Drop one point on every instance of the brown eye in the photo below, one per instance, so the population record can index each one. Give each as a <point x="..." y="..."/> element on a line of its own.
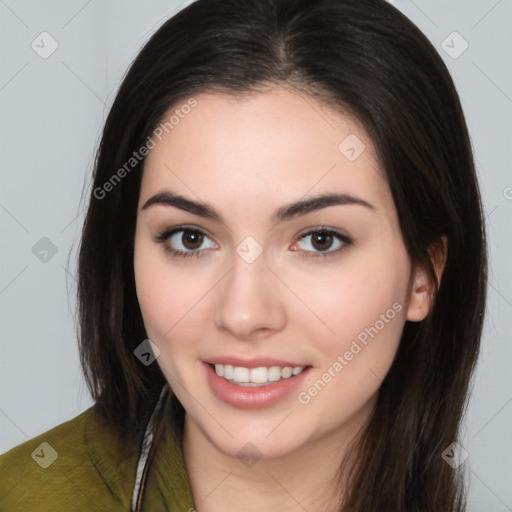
<point x="191" y="239"/>
<point x="324" y="239"/>
<point x="184" y="241"/>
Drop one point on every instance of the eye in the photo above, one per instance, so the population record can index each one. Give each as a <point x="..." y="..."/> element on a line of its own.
<point x="183" y="241"/>
<point x="187" y="241"/>
<point x="323" y="239"/>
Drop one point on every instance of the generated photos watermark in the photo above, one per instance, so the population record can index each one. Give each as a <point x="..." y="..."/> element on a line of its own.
<point x="142" y="152"/>
<point x="357" y="345"/>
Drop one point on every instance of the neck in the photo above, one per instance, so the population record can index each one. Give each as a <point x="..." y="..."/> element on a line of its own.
<point x="305" y="479"/>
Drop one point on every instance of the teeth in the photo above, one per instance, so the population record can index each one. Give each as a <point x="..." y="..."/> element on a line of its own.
<point x="274" y="373"/>
<point x="286" y="372"/>
<point x="261" y="375"/>
<point x="258" y="375"/>
<point x="228" y="371"/>
<point x="241" y="374"/>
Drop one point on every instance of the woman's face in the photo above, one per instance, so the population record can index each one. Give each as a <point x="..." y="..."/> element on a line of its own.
<point x="261" y="291"/>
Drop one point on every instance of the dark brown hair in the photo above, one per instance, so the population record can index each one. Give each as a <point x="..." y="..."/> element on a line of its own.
<point x="366" y="58"/>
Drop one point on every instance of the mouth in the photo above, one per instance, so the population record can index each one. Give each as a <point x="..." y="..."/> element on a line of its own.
<point x="254" y="387"/>
<point x="256" y="377"/>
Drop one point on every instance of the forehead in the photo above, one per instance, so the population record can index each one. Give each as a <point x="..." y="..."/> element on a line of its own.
<point x="278" y="142"/>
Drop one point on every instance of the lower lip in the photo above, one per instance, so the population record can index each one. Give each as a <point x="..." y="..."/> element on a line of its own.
<point x="245" y="397"/>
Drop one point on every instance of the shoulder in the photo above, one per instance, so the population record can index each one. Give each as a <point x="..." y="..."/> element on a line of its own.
<point x="78" y="465"/>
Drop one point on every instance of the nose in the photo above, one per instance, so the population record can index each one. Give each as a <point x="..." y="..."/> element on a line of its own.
<point x="250" y="303"/>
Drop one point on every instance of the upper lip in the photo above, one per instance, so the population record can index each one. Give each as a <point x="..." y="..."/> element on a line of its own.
<point x="255" y="362"/>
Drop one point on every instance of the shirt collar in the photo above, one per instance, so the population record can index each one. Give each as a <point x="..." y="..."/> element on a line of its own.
<point x="168" y="486"/>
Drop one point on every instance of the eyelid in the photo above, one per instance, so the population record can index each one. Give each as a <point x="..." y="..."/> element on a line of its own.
<point x="165" y="233"/>
<point x="317" y="228"/>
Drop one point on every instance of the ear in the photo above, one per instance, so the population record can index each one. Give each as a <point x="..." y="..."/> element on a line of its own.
<point x="421" y="287"/>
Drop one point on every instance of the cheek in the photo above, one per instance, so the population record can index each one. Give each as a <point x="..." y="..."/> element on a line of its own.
<point x="362" y="302"/>
<point x="169" y="296"/>
<point x="365" y="308"/>
<point x="158" y="300"/>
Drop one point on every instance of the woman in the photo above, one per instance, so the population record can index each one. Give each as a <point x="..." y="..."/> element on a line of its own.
<point x="282" y="273"/>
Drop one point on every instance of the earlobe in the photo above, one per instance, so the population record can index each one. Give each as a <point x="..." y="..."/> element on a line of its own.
<point x="422" y="288"/>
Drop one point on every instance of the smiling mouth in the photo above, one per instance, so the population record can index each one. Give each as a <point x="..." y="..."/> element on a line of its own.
<point x="256" y="377"/>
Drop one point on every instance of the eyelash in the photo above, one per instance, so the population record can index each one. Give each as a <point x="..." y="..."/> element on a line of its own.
<point x="169" y="232"/>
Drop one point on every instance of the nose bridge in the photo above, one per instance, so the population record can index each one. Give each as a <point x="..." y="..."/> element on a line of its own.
<point x="249" y="300"/>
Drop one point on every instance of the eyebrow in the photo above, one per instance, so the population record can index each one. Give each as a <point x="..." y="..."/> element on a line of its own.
<point x="287" y="212"/>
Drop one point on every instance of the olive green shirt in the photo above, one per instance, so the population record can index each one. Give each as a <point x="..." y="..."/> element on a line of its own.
<point x="81" y="465"/>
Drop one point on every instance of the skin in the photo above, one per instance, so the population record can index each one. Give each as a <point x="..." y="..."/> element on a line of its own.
<point x="247" y="157"/>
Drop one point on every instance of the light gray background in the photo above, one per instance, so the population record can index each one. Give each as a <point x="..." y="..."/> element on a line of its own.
<point x="52" y="112"/>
